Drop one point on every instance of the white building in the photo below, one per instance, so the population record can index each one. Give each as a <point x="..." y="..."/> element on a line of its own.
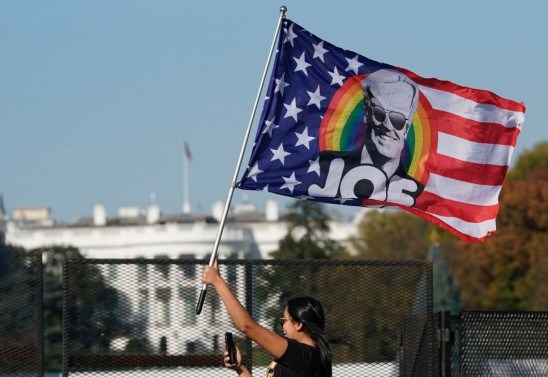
<point x="135" y="233"/>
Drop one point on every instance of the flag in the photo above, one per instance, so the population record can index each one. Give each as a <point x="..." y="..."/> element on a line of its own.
<point x="337" y="127"/>
<point x="187" y="154"/>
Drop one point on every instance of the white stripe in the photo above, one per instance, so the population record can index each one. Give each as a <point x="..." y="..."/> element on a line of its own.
<point x="446" y="101"/>
<point x="471" y="151"/>
<point x="461" y="191"/>
<point x="476" y="230"/>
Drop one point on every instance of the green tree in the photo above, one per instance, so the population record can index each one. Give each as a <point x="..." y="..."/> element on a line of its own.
<point x="395" y="234"/>
<point x="308" y="234"/>
<point x="307" y="238"/>
<point x="20" y="301"/>
<point x="391" y="234"/>
<point x="446" y="293"/>
<point x="95" y="309"/>
<point x="399" y="292"/>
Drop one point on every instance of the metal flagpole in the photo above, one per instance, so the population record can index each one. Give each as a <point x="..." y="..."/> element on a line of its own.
<point x="186" y="181"/>
<point x="201" y="299"/>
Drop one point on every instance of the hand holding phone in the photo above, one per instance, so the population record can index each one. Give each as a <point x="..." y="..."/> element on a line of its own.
<point x="231" y="348"/>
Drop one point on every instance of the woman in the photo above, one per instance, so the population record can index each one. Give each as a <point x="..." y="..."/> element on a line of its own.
<point x="303" y="351"/>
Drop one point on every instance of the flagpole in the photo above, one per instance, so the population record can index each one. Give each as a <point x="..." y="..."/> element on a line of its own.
<point x="186" y="182"/>
<point x="201" y="299"/>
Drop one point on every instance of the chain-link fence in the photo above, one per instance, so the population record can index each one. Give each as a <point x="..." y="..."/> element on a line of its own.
<point x="137" y="317"/>
<point x="498" y="344"/>
<point x="21" y="330"/>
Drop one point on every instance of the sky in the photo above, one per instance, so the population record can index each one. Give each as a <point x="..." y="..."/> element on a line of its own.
<point x="97" y="98"/>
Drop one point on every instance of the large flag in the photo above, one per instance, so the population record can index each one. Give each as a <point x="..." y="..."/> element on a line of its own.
<point x="337" y="127"/>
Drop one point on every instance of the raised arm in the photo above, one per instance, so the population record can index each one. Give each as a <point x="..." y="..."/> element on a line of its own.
<point x="270" y="341"/>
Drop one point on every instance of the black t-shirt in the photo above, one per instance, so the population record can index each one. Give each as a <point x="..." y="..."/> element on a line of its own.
<point x="298" y="360"/>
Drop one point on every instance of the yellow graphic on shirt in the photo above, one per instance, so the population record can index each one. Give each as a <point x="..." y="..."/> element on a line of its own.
<point x="270" y="369"/>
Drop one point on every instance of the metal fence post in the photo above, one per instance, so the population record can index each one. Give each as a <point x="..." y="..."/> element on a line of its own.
<point x="249" y="307"/>
<point x="66" y="319"/>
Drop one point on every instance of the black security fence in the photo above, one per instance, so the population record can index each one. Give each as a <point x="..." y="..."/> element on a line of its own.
<point x="487" y="343"/>
<point x="21" y="330"/>
<point x="138" y="316"/>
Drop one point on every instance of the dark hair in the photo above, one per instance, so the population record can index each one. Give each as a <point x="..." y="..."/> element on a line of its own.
<point x="309" y="312"/>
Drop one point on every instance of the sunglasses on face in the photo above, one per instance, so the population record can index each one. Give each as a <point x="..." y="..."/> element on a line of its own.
<point x="397" y="119"/>
<point x="282" y="321"/>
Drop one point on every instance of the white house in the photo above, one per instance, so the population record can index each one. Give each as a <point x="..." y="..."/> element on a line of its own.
<point x="160" y="296"/>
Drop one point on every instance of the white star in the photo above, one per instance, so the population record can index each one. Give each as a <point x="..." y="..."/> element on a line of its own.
<point x="270" y="126"/>
<point x="314" y="166"/>
<point x="303" y="138"/>
<point x="290" y="183"/>
<point x="315" y="97"/>
<point x="254" y="172"/>
<point x="319" y="51"/>
<point x="290" y="35"/>
<point x="265" y="189"/>
<point x="302" y="65"/>
<point x="292" y="110"/>
<point x="280" y="84"/>
<point x="336" y="78"/>
<point x="279" y="154"/>
<point x="353" y="64"/>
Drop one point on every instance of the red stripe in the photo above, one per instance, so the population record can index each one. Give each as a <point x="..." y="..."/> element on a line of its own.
<point x="443" y="207"/>
<point x="476" y="95"/>
<point x="436" y="205"/>
<point x="489" y="133"/>
<point x="447" y="227"/>
<point x="481" y="174"/>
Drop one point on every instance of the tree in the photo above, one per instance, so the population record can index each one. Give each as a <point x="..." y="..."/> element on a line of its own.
<point x="307" y="234"/>
<point x="507" y="271"/>
<point x="20" y="304"/>
<point x="397" y="295"/>
<point x="96" y="307"/>
<point x="530" y="161"/>
<point x="447" y="296"/>
<point x="391" y="234"/>
<point x="307" y="238"/>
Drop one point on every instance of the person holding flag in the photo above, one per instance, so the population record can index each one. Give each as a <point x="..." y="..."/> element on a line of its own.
<point x="302" y="351"/>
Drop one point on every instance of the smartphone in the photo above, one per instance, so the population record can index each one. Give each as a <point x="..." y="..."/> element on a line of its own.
<point x="230" y="348"/>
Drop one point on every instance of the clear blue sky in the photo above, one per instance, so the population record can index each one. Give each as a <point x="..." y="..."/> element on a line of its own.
<point x="98" y="97"/>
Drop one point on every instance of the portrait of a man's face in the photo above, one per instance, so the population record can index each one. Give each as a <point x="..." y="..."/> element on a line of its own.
<point x="390" y="101"/>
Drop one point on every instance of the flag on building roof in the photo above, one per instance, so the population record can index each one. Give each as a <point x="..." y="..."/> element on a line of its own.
<point x="337" y="127"/>
<point x="187" y="154"/>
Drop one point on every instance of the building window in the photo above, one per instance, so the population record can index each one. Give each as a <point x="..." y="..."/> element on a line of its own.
<point x="163" y="268"/>
<point x="163" y="345"/>
<point x="232" y="278"/>
<point x="214" y="306"/>
<point x="142" y="273"/>
<point x="113" y="271"/>
<point x="163" y="297"/>
<point x="191" y="347"/>
<point x="189" y="270"/>
<point x="215" y="343"/>
<point x="143" y="306"/>
<point x="188" y="296"/>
